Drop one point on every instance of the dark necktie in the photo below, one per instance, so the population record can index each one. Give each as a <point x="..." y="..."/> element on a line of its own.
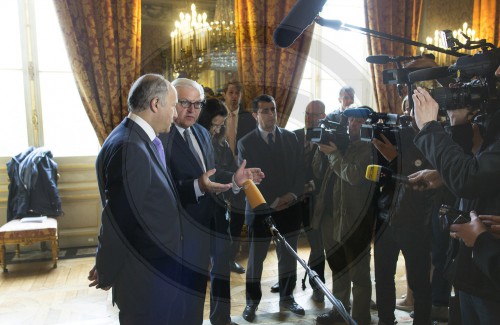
<point x="270" y="140"/>
<point x="187" y="137"/>
<point x="161" y="151"/>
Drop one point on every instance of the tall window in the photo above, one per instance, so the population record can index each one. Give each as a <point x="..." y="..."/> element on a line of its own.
<point x="336" y="59"/>
<point x="41" y="105"/>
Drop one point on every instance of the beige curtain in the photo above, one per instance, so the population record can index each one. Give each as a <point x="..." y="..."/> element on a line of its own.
<point x="103" y="39"/>
<point x="486" y="20"/>
<point x="262" y="66"/>
<point x="399" y="18"/>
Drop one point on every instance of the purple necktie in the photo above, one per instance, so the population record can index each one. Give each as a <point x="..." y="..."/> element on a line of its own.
<point x="161" y="152"/>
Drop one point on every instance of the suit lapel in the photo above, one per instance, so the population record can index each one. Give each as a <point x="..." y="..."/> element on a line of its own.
<point x="200" y="143"/>
<point x="153" y="152"/>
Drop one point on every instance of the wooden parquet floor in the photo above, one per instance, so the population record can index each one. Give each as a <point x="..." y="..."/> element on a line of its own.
<point x="33" y="293"/>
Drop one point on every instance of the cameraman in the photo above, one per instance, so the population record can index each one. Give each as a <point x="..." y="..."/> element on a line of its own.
<point x="343" y="212"/>
<point x="475" y="178"/>
<point x="403" y="224"/>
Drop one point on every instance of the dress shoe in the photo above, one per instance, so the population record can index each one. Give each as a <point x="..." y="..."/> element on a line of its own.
<point x="249" y="313"/>
<point x="329" y="318"/>
<point x="292" y="306"/>
<point x="276" y="287"/>
<point x="318" y="296"/>
<point x="236" y="267"/>
<point x="402" y="304"/>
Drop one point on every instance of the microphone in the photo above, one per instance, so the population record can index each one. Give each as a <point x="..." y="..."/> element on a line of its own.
<point x="376" y="173"/>
<point x="361" y="112"/>
<point x="383" y="59"/>
<point x="259" y="204"/>
<point x="298" y="19"/>
<point x="429" y="74"/>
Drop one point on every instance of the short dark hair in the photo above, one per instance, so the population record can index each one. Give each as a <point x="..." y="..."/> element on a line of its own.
<point x="237" y="84"/>
<point x="262" y="98"/>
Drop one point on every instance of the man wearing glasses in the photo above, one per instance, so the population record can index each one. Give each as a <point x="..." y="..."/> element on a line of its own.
<point x="276" y="151"/>
<point x="190" y="159"/>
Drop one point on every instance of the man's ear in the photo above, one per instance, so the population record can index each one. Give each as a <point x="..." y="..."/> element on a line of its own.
<point x="153" y="104"/>
<point x="254" y="116"/>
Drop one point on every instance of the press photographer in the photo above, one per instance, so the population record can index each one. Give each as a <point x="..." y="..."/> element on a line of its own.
<point x="343" y="213"/>
<point x="474" y="177"/>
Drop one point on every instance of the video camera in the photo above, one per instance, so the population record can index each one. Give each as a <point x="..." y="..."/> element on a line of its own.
<point x="329" y="131"/>
<point x="476" y="86"/>
<point x="384" y="123"/>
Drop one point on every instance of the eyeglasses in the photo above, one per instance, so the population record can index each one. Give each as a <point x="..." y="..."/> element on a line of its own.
<point x="267" y="111"/>
<point x="187" y="104"/>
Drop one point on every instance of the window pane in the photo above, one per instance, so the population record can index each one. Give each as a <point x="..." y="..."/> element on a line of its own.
<point x="66" y="126"/>
<point x="352" y="42"/>
<point x="330" y="94"/>
<point x="10" y="55"/>
<point x="52" y="55"/>
<point x="13" y="130"/>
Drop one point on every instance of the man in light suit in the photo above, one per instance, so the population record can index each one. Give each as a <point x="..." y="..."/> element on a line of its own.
<point x="140" y="252"/>
<point x="190" y="157"/>
<point x="276" y="151"/>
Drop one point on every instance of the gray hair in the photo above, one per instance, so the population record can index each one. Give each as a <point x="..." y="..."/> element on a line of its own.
<point x="348" y="90"/>
<point x="184" y="82"/>
<point x="145" y="89"/>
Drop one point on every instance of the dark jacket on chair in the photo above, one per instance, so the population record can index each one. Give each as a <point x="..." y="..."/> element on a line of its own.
<point x="33" y="184"/>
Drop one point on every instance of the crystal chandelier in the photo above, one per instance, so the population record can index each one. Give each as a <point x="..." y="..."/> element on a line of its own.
<point x="198" y="45"/>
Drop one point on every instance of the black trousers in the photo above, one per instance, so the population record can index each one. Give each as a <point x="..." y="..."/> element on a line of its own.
<point x="288" y="223"/>
<point x="236" y="225"/>
<point x="414" y="242"/>
<point x="317" y="256"/>
<point x="220" y="247"/>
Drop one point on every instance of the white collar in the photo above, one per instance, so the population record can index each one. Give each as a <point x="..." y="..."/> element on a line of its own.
<point x="144" y="125"/>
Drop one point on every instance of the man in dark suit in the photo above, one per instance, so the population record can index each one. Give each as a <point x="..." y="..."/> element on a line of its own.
<point x="190" y="156"/>
<point x="238" y="123"/>
<point x="276" y="151"/>
<point x="315" y="111"/>
<point x="140" y="252"/>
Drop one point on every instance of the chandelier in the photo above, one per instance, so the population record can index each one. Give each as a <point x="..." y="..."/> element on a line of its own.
<point x="444" y="59"/>
<point x="199" y="45"/>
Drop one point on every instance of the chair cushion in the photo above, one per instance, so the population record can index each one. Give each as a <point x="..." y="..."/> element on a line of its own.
<point x="15" y="229"/>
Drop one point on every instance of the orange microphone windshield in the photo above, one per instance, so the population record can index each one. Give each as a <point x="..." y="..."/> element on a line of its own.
<point x="254" y="196"/>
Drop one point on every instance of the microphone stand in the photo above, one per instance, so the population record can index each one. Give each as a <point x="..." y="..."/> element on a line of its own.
<point x="311" y="273"/>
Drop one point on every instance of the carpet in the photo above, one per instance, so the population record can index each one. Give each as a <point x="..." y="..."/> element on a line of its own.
<point x="44" y="254"/>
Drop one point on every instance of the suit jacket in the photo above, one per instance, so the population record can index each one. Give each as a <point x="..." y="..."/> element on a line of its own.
<point x="281" y="165"/>
<point x="140" y="252"/>
<point x="306" y="168"/>
<point x="185" y="170"/>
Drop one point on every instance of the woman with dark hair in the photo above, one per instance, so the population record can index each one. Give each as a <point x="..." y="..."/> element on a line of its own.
<point x="212" y="117"/>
